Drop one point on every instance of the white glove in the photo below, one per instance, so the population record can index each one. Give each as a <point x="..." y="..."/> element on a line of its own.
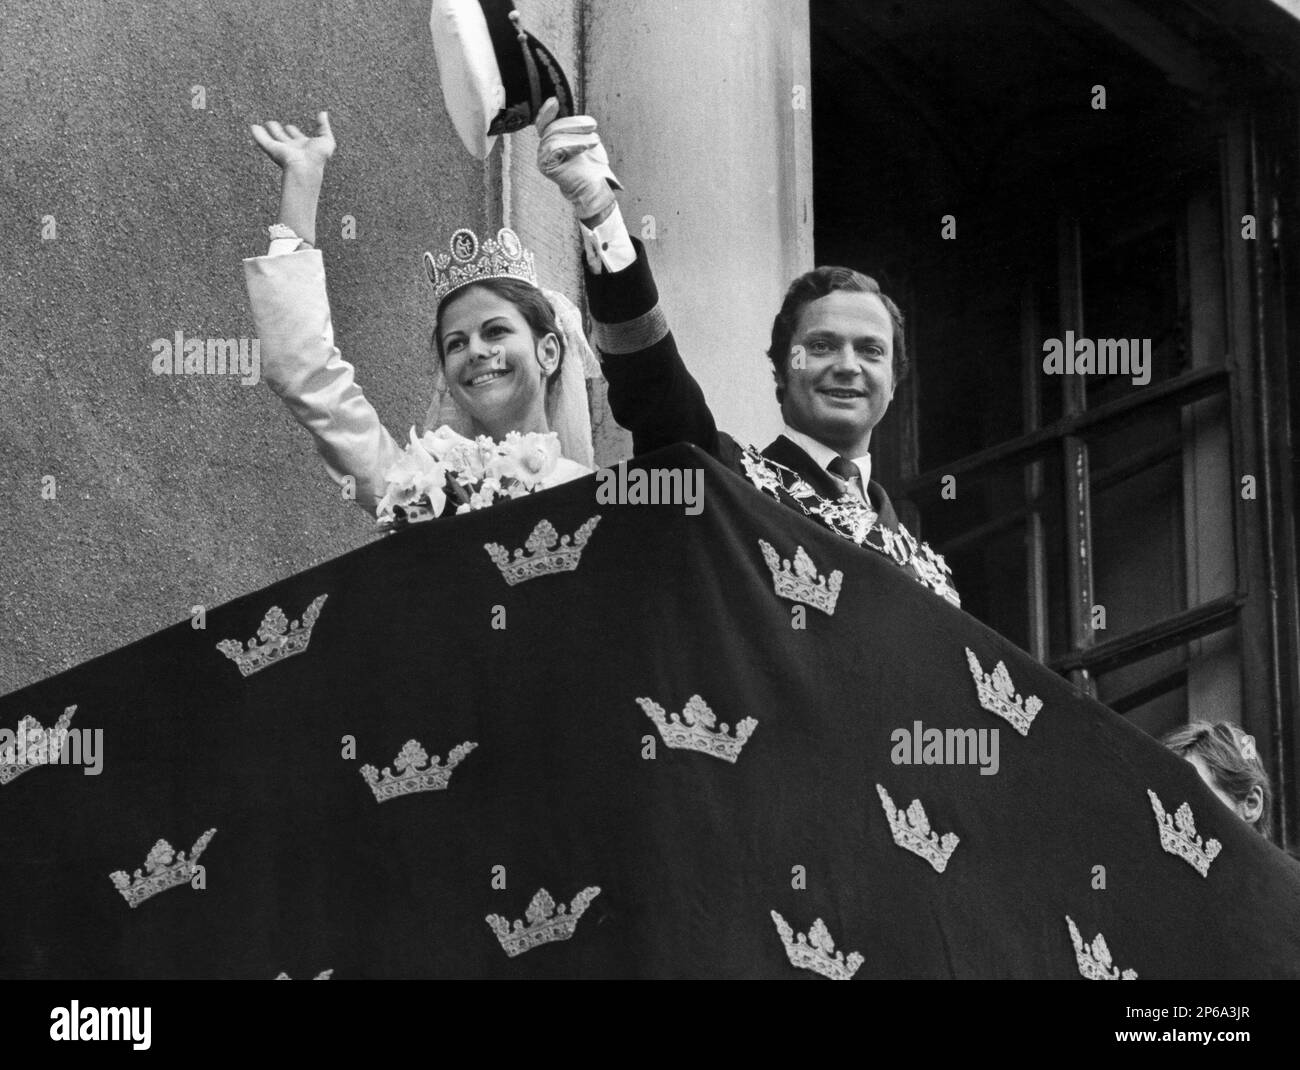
<point x="571" y="155"/>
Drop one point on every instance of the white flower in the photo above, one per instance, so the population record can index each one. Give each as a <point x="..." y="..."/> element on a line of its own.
<point x="415" y="475"/>
<point x="439" y="441"/>
<point x="466" y="459"/>
<point x="530" y="458"/>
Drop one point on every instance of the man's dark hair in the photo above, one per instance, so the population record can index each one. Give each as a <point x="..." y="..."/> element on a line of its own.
<point x="813" y="285"/>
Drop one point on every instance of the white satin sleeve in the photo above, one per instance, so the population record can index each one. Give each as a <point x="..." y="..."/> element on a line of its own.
<point x="302" y="365"/>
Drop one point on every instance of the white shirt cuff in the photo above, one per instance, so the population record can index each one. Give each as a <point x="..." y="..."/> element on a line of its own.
<point x="608" y="246"/>
<point x="283" y="246"/>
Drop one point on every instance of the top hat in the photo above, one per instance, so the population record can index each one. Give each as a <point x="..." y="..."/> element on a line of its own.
<point x="495" y="75"/>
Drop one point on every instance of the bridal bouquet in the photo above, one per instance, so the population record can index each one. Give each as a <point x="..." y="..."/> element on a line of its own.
<point x="442" y="467"/>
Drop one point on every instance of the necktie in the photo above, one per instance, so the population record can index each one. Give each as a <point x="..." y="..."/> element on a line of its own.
<point x="849" y="473"/>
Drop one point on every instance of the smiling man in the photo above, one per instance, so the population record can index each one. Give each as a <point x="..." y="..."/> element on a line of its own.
<point x="838" y="351"/>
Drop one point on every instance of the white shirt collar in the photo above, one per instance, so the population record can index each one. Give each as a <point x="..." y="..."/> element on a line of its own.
<point x="823" y="454"/>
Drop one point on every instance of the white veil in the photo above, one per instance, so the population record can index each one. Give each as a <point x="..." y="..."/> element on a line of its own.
<point x="567" y="411"/>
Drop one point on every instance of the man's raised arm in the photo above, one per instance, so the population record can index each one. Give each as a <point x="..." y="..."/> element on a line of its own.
<point x="651" y="392"/>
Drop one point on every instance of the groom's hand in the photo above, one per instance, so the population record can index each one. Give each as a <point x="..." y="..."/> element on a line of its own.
<point x="571" y="155"/>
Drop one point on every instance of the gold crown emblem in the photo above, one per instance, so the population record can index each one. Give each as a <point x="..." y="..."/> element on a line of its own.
<point x="1178" y="836"/>
<point x="544" y="553"/>
<point x="816" y="951"/>
<point x="804" y="584"/>
<point x="998" y="695"/>
<point x="697" y="729"/>
<point x="911" y="831"/>
<point x="279" y="639"/>
<point x="547" y="923"/>
<point x="38" y="746"/>
<point x="163" y="869"/>
<point x="1094" y="959"/>
<point x="468" y="261"/>
<point x="413" y="775"/>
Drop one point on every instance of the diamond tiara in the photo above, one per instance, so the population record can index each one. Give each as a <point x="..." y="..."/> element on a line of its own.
<point x="467" y="260"/>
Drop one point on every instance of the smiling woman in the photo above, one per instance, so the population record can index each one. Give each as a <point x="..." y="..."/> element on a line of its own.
<point x="501" y="344"/>
<point x="500" y="350"/>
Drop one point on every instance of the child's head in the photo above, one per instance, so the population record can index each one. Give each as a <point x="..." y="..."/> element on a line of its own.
<point x="1227" y="761"/>
<point x="500" y="348"/>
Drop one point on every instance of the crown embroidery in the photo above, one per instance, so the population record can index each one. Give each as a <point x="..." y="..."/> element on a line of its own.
<point x="415" y="772"/>
<point x="160" y="871"/>
<point x="911" y="831"/>
<point x="33" y="746"/>
<point x="816" y="951"/>
<point x="324" y="975"/>
<point x="998" y="695"/>
<point x="1094" y="959"/>
<point x="697" y="729"/>
<point x="547" y="922"/>
<point x="1178" y="836"/>
<point x="280" y="639"/>
<point x="805" y="584"/>
<point x="467" y="261"/>
<point x="544" y="554"/>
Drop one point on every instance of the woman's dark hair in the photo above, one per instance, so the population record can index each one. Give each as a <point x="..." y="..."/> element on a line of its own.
<point x="527" y="298"/>
<point x="814" y="285"/>
<point x="1219" y="746"/>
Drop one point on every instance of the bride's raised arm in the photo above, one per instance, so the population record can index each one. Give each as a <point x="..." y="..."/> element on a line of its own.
<point x="300" y="362"/>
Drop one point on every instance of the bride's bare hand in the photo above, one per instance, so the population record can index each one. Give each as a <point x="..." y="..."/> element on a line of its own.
<point x="291" y="149"/>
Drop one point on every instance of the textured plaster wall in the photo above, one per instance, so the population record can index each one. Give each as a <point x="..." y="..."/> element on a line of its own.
<point x="178" y="491"/>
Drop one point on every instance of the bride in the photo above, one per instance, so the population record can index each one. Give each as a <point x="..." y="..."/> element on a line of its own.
<point x="510" y="356"/>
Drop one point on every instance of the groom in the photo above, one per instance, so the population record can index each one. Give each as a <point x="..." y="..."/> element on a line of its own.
<point x="838" y="346"/>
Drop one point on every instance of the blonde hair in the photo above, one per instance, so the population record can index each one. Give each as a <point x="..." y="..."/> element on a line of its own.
<point x="1220" y="745"/>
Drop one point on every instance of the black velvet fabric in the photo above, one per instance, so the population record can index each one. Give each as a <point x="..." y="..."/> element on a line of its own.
<point x="307" y="872"/>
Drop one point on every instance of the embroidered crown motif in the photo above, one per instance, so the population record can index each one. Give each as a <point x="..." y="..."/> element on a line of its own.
<point x="467" y="261"/>
<point x="544" y="554"/>
<point x="804" y="584"/>
<point x="998" y="695"/>
<point x="1094" y="959"/>
<point x="414" y="771"/>
<point x="816" y="951"/>
<point x="163" y="869"/>
<point x="1178" y="836"/>
<point x="33" y="746"/>
<point x="547" y="922"/>
<point x="697" y="729"/>
<point x="324" y="975"/>
<point x="911" y="831"/>
<point x="280" y="639"/>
